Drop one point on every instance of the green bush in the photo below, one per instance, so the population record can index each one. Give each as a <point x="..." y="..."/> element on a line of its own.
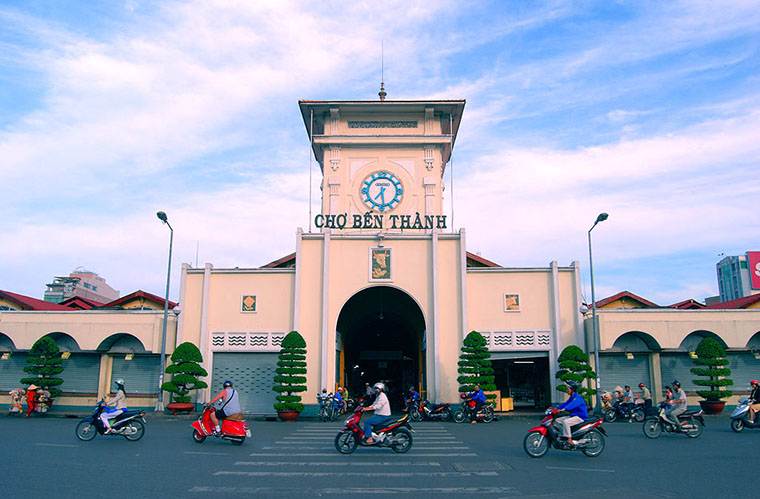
<point x="290" y="375"/>
<point x="185" y="370"/>
<point x="475" y="366"/>
<point x="574" y="366"/>
<point x="46" y="363"/>
<point x="713" y="357"/>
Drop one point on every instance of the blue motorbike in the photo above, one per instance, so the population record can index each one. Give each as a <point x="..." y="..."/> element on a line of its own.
<point x="129" y="424"/>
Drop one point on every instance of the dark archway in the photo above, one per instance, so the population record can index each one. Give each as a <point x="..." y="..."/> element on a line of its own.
<point x="382" y="331"/>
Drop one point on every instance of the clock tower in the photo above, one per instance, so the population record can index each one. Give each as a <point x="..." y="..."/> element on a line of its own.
<point x="382" y="162"/>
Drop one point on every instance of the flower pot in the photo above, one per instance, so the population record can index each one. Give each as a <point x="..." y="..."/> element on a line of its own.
<point x="180" y="407"/>
<point x="712" y="406"/>
<point x="288" y="416"/>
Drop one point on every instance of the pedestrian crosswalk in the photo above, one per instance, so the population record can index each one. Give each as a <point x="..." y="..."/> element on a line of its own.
<point x="304" y="462"/>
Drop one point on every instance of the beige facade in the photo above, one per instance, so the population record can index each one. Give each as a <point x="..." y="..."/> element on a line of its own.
<point x="382" y="282"/>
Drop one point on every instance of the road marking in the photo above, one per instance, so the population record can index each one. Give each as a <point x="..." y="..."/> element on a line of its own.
<point x="208" y="453"/>
<point x="578" y="469"/>
<point x="57" y="445"/>
<point x="333" y="463"/>
<point x="256" y="491"/>
<point x="327" y="447"/>
<point x="267" y="454"/>
<point x="323" y="474"/>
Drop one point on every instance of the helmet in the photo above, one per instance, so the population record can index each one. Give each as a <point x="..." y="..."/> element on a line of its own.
<point x="340" y="388"/>
<point x="324" y="390"/>
<point x="754" y="382"/>
<point x="676" y="383"/>
<point x="379" y="386"/>
<point x="119" y="381"/>
<point x="227" y="384"/>
<point x="627" y="387"/>
<point x="572" y="385"/>
<point x="641" y="385"/>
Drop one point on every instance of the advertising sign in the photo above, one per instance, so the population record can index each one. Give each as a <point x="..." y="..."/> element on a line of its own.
<point x="754" y="268"/>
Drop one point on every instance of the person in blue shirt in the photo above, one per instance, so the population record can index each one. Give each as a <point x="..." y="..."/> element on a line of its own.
<point x="479" y="396"/>
<point x="412" y="399"/>
<point x="338" y="402"/>
<point x="576" y="406"/>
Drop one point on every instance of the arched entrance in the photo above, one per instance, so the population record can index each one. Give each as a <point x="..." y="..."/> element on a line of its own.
<point x="381" y="329"/>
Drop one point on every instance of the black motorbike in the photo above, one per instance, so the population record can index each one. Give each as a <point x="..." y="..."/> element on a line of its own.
<point x="420" y="410"/>
<point x="129" y="424"/>
<point x="484" y="414"/>
<point x="691" y="423"/>
<point x="623" y="412"/>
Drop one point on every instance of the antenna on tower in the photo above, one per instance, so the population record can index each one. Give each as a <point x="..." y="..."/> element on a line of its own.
<point x="382" y="92"/>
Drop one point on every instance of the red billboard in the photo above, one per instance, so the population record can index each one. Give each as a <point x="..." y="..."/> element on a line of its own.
<point x="754" y="268"/>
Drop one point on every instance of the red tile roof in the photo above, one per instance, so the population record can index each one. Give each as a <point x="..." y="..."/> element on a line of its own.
<point x="29" y="303"/>
<point x="626" y="294"/>
<point x="138" y="294"/>
<point x="286" y="261"/>
<point x="79" y="303"/>
<point x="482" y="262"/>
<point x="738" y="303"/>
<point x="690" y="304"/>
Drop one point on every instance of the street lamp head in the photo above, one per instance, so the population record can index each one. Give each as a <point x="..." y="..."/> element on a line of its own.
<point x="162" y="216"/>
<point x="601" y="218"/>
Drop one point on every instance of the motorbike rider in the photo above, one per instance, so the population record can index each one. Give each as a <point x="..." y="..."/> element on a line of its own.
<point x="338" y="401"/>
<point x="114" y="405"/>
<point x="677" y="403"/>
<point x="231" y="405"/>
<point x="628" y="402"/>
<point x="647" y="398"/>
<point x="578" y="412"/>
<point x="382" y="409"/>
<point x="754" y="399"/>
<point x="412" y="399"/>
<point x="479" y="396"/>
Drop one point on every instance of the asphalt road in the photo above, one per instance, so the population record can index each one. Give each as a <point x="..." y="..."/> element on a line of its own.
<point x="299" y="460"/>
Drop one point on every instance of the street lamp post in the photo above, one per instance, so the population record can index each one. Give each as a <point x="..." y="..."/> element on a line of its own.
<point x="160" y="402"/>
<point x="601" y="218"/>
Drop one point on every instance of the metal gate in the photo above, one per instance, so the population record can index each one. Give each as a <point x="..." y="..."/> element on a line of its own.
<point x="678" y="366"/>
<point x="11" y="371"/>
<point x="252" y="375"/>
<point x="80" y="374"/>
<point x="617" y="370"/>
<point x="140" y="374"/>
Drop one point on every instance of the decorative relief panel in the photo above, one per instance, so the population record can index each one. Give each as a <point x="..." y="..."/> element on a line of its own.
<point x="382" y="124"/>
<point x="517" y="340"/>
<point x="429" y="158"/>
<point x="253" y="341"/>
<point x="334" y="158"/>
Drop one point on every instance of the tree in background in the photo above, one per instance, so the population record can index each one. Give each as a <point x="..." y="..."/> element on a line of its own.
<point x="185" y="370"/>
<point x="475" y="366"/>
<point x="574" y="366"/>
<point x="713" y="357"/>
<point x="290" y="377"/>
<point x="46" y="363"/>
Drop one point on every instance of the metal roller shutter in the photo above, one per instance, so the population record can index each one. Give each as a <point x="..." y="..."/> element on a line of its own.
<point x="80" y="373"/>
<point x="140" y="374"/>
<point x="617" y="370"/>
<point x="11" y="371"/>
<point x="678" y="367"/>
<point x="252" y="375"/>
<point x="744" y="368"/>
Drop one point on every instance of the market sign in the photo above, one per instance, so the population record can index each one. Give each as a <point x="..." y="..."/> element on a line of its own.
<point x="380" y="221"/>
<point x="754" y="268"/>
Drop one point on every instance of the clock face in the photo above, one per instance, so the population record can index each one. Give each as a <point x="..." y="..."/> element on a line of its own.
<point x="382" y="191"/>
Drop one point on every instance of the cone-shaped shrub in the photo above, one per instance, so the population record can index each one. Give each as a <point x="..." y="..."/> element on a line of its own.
<point x="475" y="366"/>
<point x="46" y="363"/>
<point x="290" y="377"/>
<point x="185" y="370"/>
<point x="713" y="357"/>
<point x="574" y="366"/>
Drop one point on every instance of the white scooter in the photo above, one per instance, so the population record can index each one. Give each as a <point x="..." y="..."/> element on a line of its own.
<point x="740" y="417"/>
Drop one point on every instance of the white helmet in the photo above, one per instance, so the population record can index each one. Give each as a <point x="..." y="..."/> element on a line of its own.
<point x="379" y="386"/>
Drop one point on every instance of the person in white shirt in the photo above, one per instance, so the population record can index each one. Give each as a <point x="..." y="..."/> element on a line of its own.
<point x="382" y="410"/>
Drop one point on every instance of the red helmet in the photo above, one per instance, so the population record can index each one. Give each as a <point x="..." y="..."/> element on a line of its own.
<point x="641" y="385"/>
<point x="754" y="382"/>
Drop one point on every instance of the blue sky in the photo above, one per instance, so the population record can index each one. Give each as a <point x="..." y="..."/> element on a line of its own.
<point x="649" y="111"/>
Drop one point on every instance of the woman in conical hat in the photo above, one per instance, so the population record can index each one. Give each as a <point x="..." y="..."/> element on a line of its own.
<point x="31" y="401"/>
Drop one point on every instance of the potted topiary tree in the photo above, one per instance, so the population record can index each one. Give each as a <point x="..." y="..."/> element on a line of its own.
<point x="185" y="370"/>
<point x="712" y="357"/>
<point x="475" y="366"/>
<point x="290" y="376"/>
<point x="574" y="366"/>
<point x="46" y="363"/>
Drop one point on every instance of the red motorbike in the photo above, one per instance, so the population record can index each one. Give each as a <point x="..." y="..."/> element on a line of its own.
<point x="587" y="436"/>
<point x="395" y="433"/>
<point x="233" y="430"/>
<point x="484" y="414"/>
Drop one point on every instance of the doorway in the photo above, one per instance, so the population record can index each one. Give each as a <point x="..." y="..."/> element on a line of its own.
<point x="381" y="331"/>
<point x="526" y="380"/>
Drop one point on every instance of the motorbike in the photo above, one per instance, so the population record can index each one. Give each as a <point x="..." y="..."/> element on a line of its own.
<point x="234" y="430"/>
<point x="740" y="417"/>
<point x="588" y="436"/>
<point x="691" y="423"/>
<point x="328" y="409"/>
<point x="420" y="410"/>
<point x="396" y="434"/>
<point x="129" y="424"/>
<point x="462" y="414"/>
<point x="621" y="411"/>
